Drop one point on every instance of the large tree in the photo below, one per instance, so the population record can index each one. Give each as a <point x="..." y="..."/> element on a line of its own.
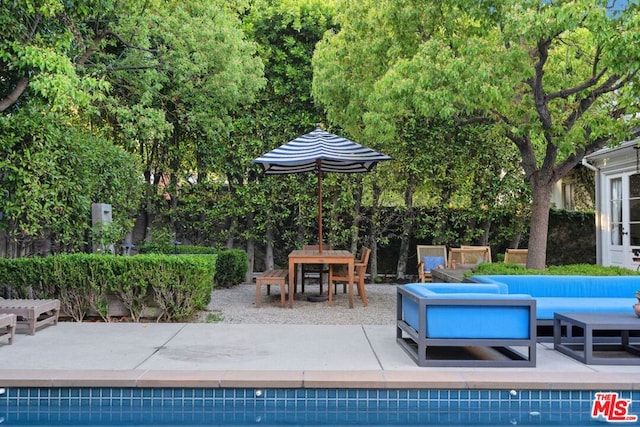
<point x="55" y="161"/>
<point x="42" y="48"/>
<point x="558" y="79"/>
<point x="159" y="78"/>
<point x="432" y="167"/>
<point x="180" y="71"/>
<point x="286" y="33"/>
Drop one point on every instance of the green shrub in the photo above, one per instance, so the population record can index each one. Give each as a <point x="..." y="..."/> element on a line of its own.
<point x="563" y="270"/>
<point x="167" y="248"/>
<point x="151" y="248"/>
<point x="231" y="267"/>
<point x="79" y="281"/>
<point x="21" y="277"/>
<point x="177" y="285"/>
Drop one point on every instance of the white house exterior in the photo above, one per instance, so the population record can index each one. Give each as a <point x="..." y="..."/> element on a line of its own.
<point x="617" y="204"/>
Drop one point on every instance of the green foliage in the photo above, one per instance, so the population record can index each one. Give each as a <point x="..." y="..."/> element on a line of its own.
<point x="437" y="164"/>
<point x="565" y="270"/>
<point x="231" y="267"/>
<point x="204" y="212"/>
<point x="286" y="34"/>
<point x="104" y="236"/>
<point x="52" y="169"/>
<point x="177" y="286"/>
<point x="37" y="47"/>
<point x="175" y="295"/>
<point x="175" y="96"/>
<point x="554" y="79"/>
<point x="591" y="270"/>
<point x="20" y="274"/>
<point x="214" y="318"/>
<point x="168" y="248"/>
<point x="161" y="79"/>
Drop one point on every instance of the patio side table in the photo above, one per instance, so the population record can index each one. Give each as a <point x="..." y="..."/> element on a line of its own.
<point x="616" y="349"/>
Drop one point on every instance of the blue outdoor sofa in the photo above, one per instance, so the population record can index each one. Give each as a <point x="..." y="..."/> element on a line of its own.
<point x="570" y="294"/>
<point x="466" y="324"/>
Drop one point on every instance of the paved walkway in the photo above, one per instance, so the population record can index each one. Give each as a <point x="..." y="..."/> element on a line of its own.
<point x="267" y="355"/>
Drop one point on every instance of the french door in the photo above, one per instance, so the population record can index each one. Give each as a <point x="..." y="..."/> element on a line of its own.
<point x="624" y="220"/>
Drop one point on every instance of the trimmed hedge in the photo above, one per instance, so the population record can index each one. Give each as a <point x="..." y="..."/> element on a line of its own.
<point x="178" y="286"/>
<point x="561" y="270"/>
<point x="231" y="267"/>
<point x="168" y="249"/>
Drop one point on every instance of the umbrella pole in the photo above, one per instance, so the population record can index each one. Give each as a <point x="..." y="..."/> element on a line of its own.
<point x="320" y="239"/>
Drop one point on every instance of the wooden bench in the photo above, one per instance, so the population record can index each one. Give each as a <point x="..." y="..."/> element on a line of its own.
<point x="272" y="277"/>
<point x="32" y="313"/>
<point x="7" y="327"/>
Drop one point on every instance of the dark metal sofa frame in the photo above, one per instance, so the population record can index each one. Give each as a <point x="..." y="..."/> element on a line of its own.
<point x="417" y="345"/>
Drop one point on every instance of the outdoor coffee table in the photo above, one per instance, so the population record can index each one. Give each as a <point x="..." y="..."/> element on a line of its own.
<point x="611" y="350"/>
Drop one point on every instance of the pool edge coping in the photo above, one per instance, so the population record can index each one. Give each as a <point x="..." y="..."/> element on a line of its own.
<point x="428" y="379"/>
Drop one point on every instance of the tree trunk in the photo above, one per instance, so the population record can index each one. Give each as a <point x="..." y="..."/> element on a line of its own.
<point x="407" y="228"/>
<point x="147" y="214"/>
<point x="486" y="225"/>
<point x="374" y="230"/>
<point x="231" y="230"/>
<point x="269" y="261"/>
<point x="4" y="244"/>
<point x="43" y="246"/>
<point x="539" y="229"/>
<point x="515" y="240"/>
<point x="357" y="213"/>
<point x="251" y="249"/>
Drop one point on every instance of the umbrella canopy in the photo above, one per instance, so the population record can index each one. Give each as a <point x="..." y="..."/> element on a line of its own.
<point x="320" y="151"/>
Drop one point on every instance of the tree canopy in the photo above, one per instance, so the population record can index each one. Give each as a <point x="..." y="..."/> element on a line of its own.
<point x="553" y="78"/>
<point x="158" y="79"/>
<point x="483" y="106"/>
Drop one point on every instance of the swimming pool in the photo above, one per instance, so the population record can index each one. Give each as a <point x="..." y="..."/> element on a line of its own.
<point x="244" y="406"/>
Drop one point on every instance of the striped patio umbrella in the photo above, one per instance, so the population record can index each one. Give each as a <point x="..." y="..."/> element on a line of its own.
<point x="320" y="151"/>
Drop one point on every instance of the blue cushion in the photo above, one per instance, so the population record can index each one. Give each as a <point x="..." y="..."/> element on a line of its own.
<point x="432" y="262"/>
<point x="546" y="306"/>
<point x="456" y="288"/>
<point x="478" y="322"/>
<point x="567" y="286"/>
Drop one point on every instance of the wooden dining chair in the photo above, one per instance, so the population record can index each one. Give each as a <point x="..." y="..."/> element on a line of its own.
<point x="320" y="269"/>
<point x="339" y="274"/>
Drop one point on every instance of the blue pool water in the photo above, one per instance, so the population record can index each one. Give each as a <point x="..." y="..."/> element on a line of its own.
<point x="313" y="407"/>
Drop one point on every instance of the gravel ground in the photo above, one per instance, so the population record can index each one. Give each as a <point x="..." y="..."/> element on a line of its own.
<point x="237" y="305"/>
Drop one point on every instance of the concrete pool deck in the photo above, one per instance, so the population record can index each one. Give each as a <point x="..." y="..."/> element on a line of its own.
<point x="94" y="354"/>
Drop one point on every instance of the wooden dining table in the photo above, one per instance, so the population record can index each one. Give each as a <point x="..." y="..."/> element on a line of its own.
<point x="314" y="256"/>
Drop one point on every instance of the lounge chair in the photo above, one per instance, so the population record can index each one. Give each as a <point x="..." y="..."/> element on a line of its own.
<point x="468" y="256"/>
<point x="485" y="250"/>
<point x="430" y="257"/>
<point x="7" y="327"/>
<point x="32" y="313"/>
<point x="516" y="256"/>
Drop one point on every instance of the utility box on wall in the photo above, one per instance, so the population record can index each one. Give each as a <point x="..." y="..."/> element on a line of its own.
<point x="101" y="217"/>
